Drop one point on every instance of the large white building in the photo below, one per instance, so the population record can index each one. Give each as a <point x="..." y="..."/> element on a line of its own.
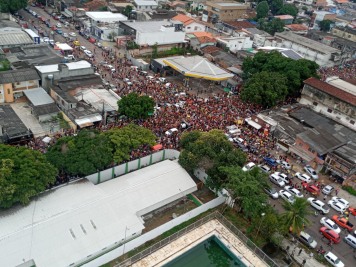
<point x="322" y="54"/>
<point x="72" y="224"/>
<point x="148" y="33"/>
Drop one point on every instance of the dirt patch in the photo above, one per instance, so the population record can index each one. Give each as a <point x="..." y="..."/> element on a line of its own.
<point x="204" y="194"/>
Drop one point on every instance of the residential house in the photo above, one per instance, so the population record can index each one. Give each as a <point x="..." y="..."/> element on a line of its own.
<point x="297" y="28"/>
<point x="322" y="54"/>
<point x="189" y="23"/>
<point x="287" y="19"/>
<point x="198" y="4"/>
<point x="334" y="98"/>
<point x="223" y="11"/>
<point x="236" y="43"/>
<point x="145" y="5"/>
<point x="259" y="38"/>
<point x="233" y="26"/>
<point x="14" y="82"/>
<point x="178" y="5"/>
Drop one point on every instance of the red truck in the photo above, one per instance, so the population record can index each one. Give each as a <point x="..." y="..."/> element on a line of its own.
<point x="343" y="222"/>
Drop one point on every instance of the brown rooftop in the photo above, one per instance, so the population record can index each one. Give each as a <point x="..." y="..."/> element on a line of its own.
<point x="331" y="90"/>
<point x="297" y="27"/>
<point x="238" y="25"/>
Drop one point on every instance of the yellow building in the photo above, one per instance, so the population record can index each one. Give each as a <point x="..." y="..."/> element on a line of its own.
<point x="216" y="11"/>
<point x="14" y="82"/>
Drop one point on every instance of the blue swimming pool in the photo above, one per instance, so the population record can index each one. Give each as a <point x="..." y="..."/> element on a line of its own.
<point x="210" y="253"/>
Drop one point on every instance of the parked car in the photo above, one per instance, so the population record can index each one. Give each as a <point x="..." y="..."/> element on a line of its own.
<point x="337" y="206"/>
<point x="328" y="223"/>
<point x="59" y="31"/>
<point x="72" y="34"/>
<point x="65" y="35"/>
<point x="307" y="239"/>
<point x="286" y="196"/>
<point x="284" y="164"/>
<point x="295" y="192"/>
<point x="248" y="166"/>
<point x="330" y="235"/>
<point x="333" y="260"/>
<point x="342" y="201"/>
<point x="59" y="25"/>
<point x="171" y="131"/>
<point x="270" y="161"/>
<point x="343" y="222"/>
<point x="303" y="177"/>
<point x="88" y="53"/>
<point x="327" y="189"/>
<point x="309" y="170"/>
<point x="318" y="205"/>
<point x="351" y="240"/>
<point x="276" y="180"/>
<point x="272" y="192"/>
<point x="264" y="168"/>
<point x="242" y="147"/>
<point x="313" y="189"/>
<point x="352" y="211"/>
<point x="283" y="176"/>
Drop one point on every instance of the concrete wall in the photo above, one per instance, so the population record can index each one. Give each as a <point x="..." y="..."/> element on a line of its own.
<point x="194" y="27"/>
<point x="168" y="36"/>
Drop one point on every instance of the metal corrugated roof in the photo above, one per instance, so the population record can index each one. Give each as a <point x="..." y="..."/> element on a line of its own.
<point x="13" y="76"/>
<point x="38" y="97"/>
<point x="13" y="36"/>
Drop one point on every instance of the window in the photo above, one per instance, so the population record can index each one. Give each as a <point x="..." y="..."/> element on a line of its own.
<point x="352" y="122"/>
<point x="330" y="110"/>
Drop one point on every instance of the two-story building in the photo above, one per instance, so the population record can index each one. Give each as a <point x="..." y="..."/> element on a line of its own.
<point x="287" y="19"/>
<point x="345" y="32"/>
<point x="236" y="43"/>
<point x="145" y="5"/>
<point x="215" y="11"/>
<point x="14" y="82"/>
<point x="322" y="54"/>
<point x="334" y="98"/>
<point x="189" y="23"/>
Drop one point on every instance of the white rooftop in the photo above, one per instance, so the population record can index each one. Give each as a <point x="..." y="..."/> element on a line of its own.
<point x="148" y="26"/>
<point x="70" y="223"/>
<point x="145" y="3"/>
<point x="106" y="16"/>
<point x="82" y="64"/>
<point x="38" y="96"/>
<point x="343" y="85"/>
<point x="95" y="97"/>
<point x="63" y="46"/>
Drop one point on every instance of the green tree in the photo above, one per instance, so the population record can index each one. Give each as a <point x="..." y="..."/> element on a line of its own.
<point x="295" y="216"/>
<point x="246" y="188"/>
<point x="23" y="174"/>
<point x="288" y="9"/>
<point x="12" y="6"/>
<point x="135" y="106"/>
<point x="273" y="26"/>
<point x="83" y="154"/>
<point x="267" y="225"/>
<point x="275" y="5"/>
<point x="265" y="88"/>
<point x="124" y="140"/>
<point x="325" y="25"/>
<point x="209" y="151"/>
<point x="262" y="9"/>
<point x="127" y="11"/>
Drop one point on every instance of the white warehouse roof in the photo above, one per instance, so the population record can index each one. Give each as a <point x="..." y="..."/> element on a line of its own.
<point x="82" y="64"/>
<point x="106" y="16"/>
<point x="72" y="222"/>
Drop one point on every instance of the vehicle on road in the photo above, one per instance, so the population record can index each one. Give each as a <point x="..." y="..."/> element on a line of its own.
<point x="264" y="168"/>
<point x="59" y="31"/>
<point x="99" y="45"/>
<point x="83" y="48"/>
<point x="88" y="53"/>
<point x="327" y="189"/>
<point x="73" y="34"/>
<point x="307" y="239"/>
<point x="76" y="43"/>
<point x="295" y="192"/>
<point x="303" y="177"/>
<point x="342" y="201"/>
<point x="318" y="205"/>
<point x="276" y="180"/>
<point x="272" y="192"/>
<point x="313" y="189"/>
<point x="284" y="164"/>
<point x="310" y="171"/>
<point x="171" y="131"/>
<point x="337" y="206"/>
<point x="328" y="223"/>
<point x="330" y="235"/>
<point x="352" y="211"/>
<point x="333" y="260"/>
<point x="59" y="25"/>
<point x="65" y="35"/>
<point x="270" y="161"/>
<point x="286" y="196"/>
<point x="248" y="166"/>
<point x="343" y="222"/>
<point x="351" y="240"/>
<point x="284" y="177"/>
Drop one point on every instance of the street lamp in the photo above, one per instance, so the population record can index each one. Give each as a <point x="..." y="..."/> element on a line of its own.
<point x="259" y="227"/>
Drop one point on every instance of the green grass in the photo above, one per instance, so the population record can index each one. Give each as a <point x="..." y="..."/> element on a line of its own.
<point x="349" y="189"/>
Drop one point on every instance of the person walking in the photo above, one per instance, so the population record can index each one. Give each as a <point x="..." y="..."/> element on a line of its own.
<point x="300" y="252"/>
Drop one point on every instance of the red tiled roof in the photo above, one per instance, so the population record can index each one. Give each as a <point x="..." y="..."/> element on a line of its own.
<point x="184" y="19"/>
<point x="206" y="39"/>
<point x="200" y="34"/>
<point x="297" y="27"/>
<point x="331" y="90"/>
<point x="282" y="17"/>
<point x="240" y="24"/>
<point x="210" y="49"/>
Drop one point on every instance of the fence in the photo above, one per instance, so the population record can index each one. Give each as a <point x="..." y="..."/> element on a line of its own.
<point x="133" y="165"/>
<point x="175" y="236"/>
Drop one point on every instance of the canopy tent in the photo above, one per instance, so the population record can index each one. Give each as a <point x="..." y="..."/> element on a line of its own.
<point x="157" y="147"/>
<point x="253" y="124"/>
<point x="63" y="47"/>
<point x="198" y="67"/>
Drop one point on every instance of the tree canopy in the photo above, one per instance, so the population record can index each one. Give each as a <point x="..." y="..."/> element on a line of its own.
<point x="23" y="174"/>
<point x="83" y="154"/>
<point x="135" y="106"/>
<point x="262" y="9"/>
<point x="265" y="88"/>
<point x="124" y="140"/>
<point x="272" y="26"/>
<point x="288" y="9"/>
<point x="325" y="25"/>
<point x="12" y="5"/>
<point x="296" y="71"/>
<point x="275" y="5"/>
<point x="209" y="151"/>
<point x="127" y="11"/>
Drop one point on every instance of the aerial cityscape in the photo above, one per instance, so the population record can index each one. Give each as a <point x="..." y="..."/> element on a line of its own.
<point x="188" y="133"/>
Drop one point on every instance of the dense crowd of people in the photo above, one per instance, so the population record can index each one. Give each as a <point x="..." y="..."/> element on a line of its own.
<point x="346" y="71"/>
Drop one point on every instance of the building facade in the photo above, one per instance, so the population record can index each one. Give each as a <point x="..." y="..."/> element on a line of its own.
<point x="215" y="11"/>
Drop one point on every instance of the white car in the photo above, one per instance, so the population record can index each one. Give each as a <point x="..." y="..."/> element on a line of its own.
<point x="309" y="170"/>
<point x="99" y="45"/>
<point x="46" y="40"/>
<point x="327" y="189"/>
<point x="337" y="206"/>
<point x="328" y="223"/>
<point x="286" y="196"/>
<point x="272" y="192"/>
<point x="126" y="80"/>
<point x="171" y="131"/>
<point x="58" y="25"/>
<point x="83" y="48"/>
<point x="333" y="259"/>
<point x="295" y="192"/>
<point x="65" y="35"/>
<point x="307" y="239"/>
<point x="303" y="177"/>
<point x="73" y="34"/>
<point x="283" y="176"/>
<point x="264" y="168"/>
<point x="150" y="77"/>
<point x="284" y="164"/>
<point x="88" y="53"/>
<point x="342" y="201"/>
<point x="276" y="180"/>
<point x="162" y="80"/>
<point x="318" y="205"/>
<point x="248" y="166"/>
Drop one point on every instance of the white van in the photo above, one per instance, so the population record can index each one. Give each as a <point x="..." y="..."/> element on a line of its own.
<point x="351" y="240"/>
